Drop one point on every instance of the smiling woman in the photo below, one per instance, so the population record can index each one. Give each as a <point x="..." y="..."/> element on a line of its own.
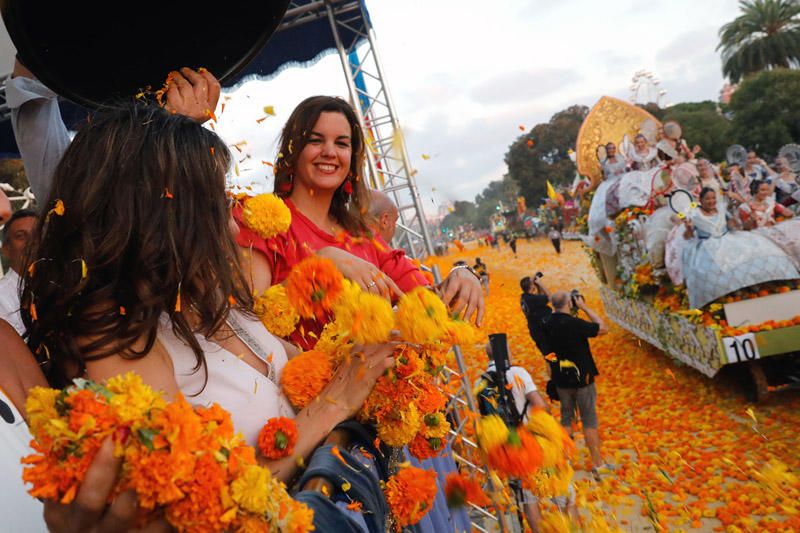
<point x="318" y="172"/>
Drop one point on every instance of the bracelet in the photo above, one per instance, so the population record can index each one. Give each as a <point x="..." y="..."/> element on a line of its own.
<point x="469" y="268"/>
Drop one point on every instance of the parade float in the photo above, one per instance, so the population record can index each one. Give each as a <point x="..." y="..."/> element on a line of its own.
<point x="632" y="225"/>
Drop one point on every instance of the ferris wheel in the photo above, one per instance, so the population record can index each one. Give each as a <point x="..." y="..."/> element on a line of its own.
<point x="645" y="89"/>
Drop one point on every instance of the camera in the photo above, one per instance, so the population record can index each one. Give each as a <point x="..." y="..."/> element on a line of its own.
<point x="573" y="297"/>
<point x="537" y="275"/>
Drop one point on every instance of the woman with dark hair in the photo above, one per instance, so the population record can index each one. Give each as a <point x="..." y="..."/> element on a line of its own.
<point x="761" y="215"/>
<point x="717" y="262"/>
<point x="319" y="174"/>
<point x="135" y="268"/>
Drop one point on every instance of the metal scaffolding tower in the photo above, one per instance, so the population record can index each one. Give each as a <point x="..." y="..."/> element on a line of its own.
<point x="388" y="164"/>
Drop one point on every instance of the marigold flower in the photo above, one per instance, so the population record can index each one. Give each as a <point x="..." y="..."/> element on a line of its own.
<point x="275" y="311"/>
<point x="434" y="425"/>
<point x="313" y="287"/>
<point x="304" y="377"/>
<point x="277" y="438"/>
<point x="251" y="489"/>
<point x="423" y="448"/>
<point x="492" y="432"/>
<point x="422" y="317"/>
<point x="398" y="430"/>
<point x="460" y="491"/>
<point x="267" y="215"/>
<point x="410" y="493"/>
<point x="519" y="457"/>
<point x="367" y="318"/>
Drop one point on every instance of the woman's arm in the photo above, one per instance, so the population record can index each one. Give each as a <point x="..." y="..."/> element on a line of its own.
<point x="256" y="269"/>
<point x="337" y="402"/>
<point x="18" y="369"/>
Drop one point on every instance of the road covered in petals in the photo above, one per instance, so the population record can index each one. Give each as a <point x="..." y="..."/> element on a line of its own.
<point x="692" y="453"/>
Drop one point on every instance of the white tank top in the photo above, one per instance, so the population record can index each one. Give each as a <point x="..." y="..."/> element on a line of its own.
<point x="248" y="395"/>
<point x="19" y="510"/>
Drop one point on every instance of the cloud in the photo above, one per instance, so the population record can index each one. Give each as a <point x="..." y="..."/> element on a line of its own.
<point x="522" y="86"/>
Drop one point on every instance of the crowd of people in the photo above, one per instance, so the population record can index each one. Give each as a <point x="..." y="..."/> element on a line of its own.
<point x="138" y="260"/>
<point x="737" y="227"/>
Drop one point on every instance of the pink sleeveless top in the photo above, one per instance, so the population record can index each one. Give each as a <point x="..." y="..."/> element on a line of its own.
<point x="249" y="396"/>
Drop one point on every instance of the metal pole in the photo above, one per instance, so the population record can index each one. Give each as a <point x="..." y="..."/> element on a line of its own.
<point x="462" y="368"/>
<point x="403" y="153"/>
<point x="350" y="85"/>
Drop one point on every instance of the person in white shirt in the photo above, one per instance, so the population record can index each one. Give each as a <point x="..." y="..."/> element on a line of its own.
<point x="16" y="234"/>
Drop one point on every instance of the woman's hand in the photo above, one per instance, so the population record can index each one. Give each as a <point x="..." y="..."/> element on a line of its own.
<point x="461" y="292"/>
<point x="355" y="378"/>
<point x="90" y="510"/>
<point x="193" y="94"/>
<point x="365" y="274"/>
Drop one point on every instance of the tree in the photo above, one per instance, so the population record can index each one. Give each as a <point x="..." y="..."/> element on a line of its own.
<point x="541" y="154"/>
<point x="766" y="35"/>
<point x="702" y="124"/>
<point x="766" y="111"/>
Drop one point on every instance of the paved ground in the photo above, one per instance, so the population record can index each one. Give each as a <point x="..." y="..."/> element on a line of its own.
<point x="690" y="456"/>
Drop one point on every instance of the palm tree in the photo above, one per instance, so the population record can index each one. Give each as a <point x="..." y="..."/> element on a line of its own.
<point x="766" y="35"/>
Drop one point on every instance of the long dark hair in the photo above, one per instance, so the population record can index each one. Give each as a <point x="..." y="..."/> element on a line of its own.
<point x="136" y="227"/>
<point x="349" y="210"/>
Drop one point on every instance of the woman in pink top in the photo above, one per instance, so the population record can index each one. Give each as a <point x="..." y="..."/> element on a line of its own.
<point x="319" y="174"/>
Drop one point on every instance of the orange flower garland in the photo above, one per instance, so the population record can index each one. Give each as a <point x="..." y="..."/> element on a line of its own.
<point x="410" y="493"/>
<point x="313" y="287"/>
<point x="185" y="464"/>
<point x="277" y="438"/>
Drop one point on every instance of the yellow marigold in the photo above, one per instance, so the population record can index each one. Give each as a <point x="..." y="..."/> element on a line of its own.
<point x="410" y="493"/>
<point x="540" y="422"/>
<point x="464" y="333"/>
<point x="551" y="452"/>
<point x="267" y="215"/>
<point x="275" y="311"/>
<point x="132" y="398"/>
<point x="333" y="342"/>
<point x="422" y="317"/>
<point x="41" y="407"/>
<point x="434" y="425"/>
<point x="368" y="318"/>
<point x="401" y="428"/>
<point x="299" y="518"/>
<point x="304" y="377"/>
<point x="492" y="432"/>
<point x="251" y="489"/>
<point x="555" y="522"/>
<point x="313" y="287"/>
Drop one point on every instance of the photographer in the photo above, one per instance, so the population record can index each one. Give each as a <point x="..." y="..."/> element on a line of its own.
<point x="569" y="337"/>
<point x="494" y="397"/>
<point x="536" y="308"/>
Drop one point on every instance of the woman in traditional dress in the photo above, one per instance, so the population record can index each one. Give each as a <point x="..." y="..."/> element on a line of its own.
<point x="759" y="214"/>
<point x="642" y="156"/>
<point x="786" y="183"/>
<point x="718" y="261"/>
<point x="319" y="175"/>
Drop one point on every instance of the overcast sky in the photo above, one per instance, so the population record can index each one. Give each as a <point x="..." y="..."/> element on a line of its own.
<point x="464" y="77"/>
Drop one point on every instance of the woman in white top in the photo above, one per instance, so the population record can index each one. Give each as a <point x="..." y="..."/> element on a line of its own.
<point x="136" y="269"/>
<point x="642" y="155"/>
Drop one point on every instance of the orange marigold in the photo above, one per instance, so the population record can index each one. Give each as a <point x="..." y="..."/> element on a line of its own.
<point x="460" y="491"/>
<point x="304" y="377"/>
<point x="423" y="448"/>
<point x="277" y="438"/>
<point x="313" y="287"/>
<point x="519" y="457"/>
<point x="410" y="493"/>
